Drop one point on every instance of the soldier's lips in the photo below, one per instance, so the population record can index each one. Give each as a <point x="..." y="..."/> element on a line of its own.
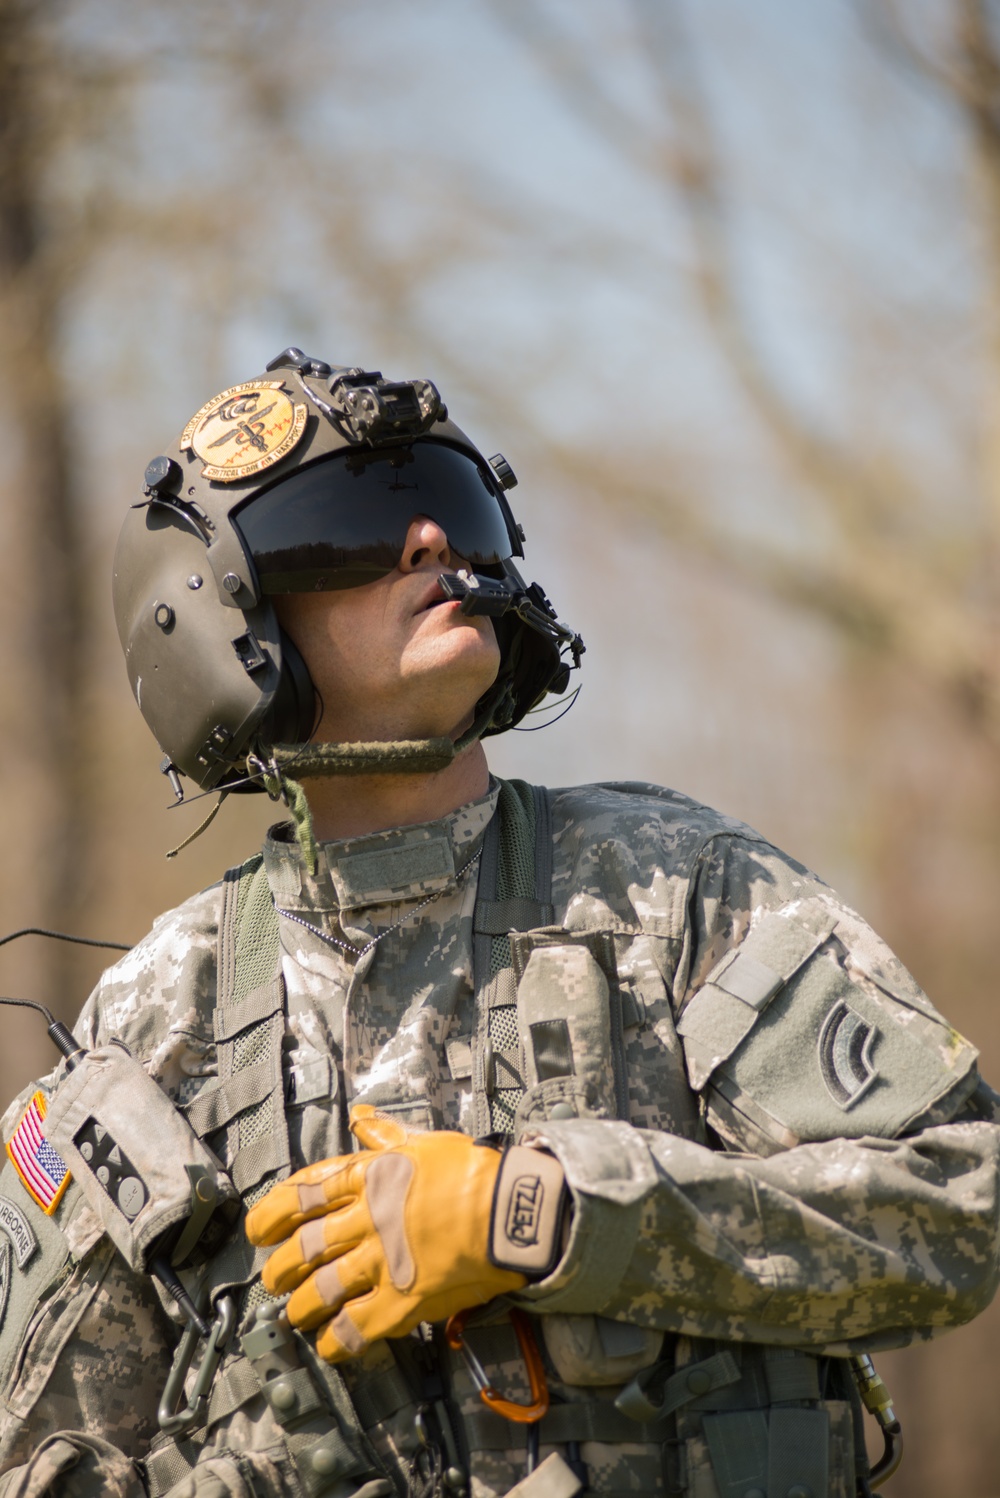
<point x="437" y="600"/>
<point x="441" y="616"/>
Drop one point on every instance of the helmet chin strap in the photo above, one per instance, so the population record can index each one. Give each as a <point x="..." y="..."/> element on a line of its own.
<point x="389" y="757"/>
<point x="392" y="757"/>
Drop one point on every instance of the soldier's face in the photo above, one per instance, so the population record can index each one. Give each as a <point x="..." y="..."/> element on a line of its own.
<point x="394" y="659"/>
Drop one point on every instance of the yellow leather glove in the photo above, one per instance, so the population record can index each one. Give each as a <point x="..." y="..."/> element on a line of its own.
<point x="376" y="1242"/>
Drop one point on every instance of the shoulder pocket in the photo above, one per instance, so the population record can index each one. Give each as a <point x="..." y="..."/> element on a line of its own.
<point x="792" y="1045"/>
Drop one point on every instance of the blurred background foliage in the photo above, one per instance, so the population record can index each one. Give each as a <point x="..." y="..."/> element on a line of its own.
<point x="722" y="281"/>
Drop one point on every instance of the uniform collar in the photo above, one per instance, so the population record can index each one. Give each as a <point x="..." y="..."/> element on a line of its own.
<point x="401" y="863"/>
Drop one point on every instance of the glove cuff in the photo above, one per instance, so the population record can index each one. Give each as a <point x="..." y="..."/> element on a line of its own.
<point x="530" y="1200"/>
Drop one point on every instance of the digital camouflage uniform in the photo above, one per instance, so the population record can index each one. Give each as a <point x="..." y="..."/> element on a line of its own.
<point x="772" y="1141"/>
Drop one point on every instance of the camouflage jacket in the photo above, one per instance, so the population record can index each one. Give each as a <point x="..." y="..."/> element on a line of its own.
<point x="784" y="1145"/>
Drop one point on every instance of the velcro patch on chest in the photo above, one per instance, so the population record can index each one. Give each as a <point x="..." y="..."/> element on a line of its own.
<point x="405" y="868"/>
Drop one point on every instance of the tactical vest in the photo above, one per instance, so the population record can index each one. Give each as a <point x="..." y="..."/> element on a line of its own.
<point x="632" y="1411"/>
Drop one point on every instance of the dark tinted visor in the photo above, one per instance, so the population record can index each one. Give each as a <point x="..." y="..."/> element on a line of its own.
<point x="344" y="521"/>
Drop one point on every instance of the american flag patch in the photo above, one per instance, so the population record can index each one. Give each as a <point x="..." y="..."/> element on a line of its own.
<point x="44" y="1173"/>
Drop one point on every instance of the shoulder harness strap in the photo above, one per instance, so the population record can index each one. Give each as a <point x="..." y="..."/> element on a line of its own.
<point x="515" y="894"/>
<point x="249" y="1028"/>
<point x="245" y="1110"/>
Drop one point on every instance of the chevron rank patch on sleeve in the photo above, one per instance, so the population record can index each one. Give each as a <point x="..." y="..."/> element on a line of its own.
<point x="43" y="1172"/>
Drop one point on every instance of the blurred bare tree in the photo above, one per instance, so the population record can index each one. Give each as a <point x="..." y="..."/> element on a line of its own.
<point x="72" y="200"/>
<point x="879" y="574"/>
<point x="43" y="705"/>
<point x="174" y="175"/>
<point x="900" y="561"/>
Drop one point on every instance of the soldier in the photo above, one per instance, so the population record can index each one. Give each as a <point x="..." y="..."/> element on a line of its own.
<point x="586" y="1141"/>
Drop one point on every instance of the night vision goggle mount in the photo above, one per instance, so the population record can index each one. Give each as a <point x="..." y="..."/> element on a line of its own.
<point x="363" y="406"/>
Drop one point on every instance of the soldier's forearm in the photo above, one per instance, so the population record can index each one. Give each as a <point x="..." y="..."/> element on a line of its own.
<point x="827" y="1245"/>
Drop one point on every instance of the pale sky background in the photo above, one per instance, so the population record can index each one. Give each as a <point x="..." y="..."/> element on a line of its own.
<point x="573" y="279"/>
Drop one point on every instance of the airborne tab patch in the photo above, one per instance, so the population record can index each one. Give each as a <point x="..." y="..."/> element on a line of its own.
<point x="6" y="1258"/>
<point x="18" y="1230"/>
<point x="44" y="1174"/>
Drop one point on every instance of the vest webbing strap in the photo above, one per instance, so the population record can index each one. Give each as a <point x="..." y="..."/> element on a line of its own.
<point x="248" y="1100"/>
<point x="214" y="1107"/>
<point x="259" y="1004"/>
<point x="514" y="894"/>
<point x="593" y="1421"/>
<point x="248" y="967"/>
<point x="165" y="1466"/>
<point x="497" y="917"/>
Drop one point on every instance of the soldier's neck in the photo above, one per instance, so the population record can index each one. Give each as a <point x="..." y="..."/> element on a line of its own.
<point x="351" y="806"/>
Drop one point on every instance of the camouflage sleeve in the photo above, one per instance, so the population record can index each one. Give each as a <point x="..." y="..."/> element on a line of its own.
<point x="159" y="998"/>
<point x="845" y="1245"/>
<point x="85" y="1345"/>
<point x="853" y="1201"/>
<point x="85" y="1348"/>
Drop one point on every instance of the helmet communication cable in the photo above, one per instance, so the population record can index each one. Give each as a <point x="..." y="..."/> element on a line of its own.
<point x="58" y="1032"/>
<point x="83" y="941"/>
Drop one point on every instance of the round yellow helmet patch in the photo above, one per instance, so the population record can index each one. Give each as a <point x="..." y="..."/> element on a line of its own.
<point x="244" y="430"/>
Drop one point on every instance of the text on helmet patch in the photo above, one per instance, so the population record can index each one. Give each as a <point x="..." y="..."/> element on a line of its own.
<point x="244" y="430"/>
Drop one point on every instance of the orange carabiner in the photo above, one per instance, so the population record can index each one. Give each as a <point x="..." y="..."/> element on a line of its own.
<point x="520" y="1414"/>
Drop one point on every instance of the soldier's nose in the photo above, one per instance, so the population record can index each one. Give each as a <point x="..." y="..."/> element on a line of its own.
<point x="426" y="545"/>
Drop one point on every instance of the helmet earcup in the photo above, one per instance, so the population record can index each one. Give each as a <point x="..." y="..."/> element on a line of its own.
<point x="293" y="714"/>
<point x="532" y="666"/>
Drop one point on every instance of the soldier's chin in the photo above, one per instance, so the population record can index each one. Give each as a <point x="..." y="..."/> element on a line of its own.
<point x="456" y="661"/>
<point x="455" y="716"/>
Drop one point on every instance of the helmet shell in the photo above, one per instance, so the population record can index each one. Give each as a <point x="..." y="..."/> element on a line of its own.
<point x="183" y="649"/>
<point x="212" y="672"/>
